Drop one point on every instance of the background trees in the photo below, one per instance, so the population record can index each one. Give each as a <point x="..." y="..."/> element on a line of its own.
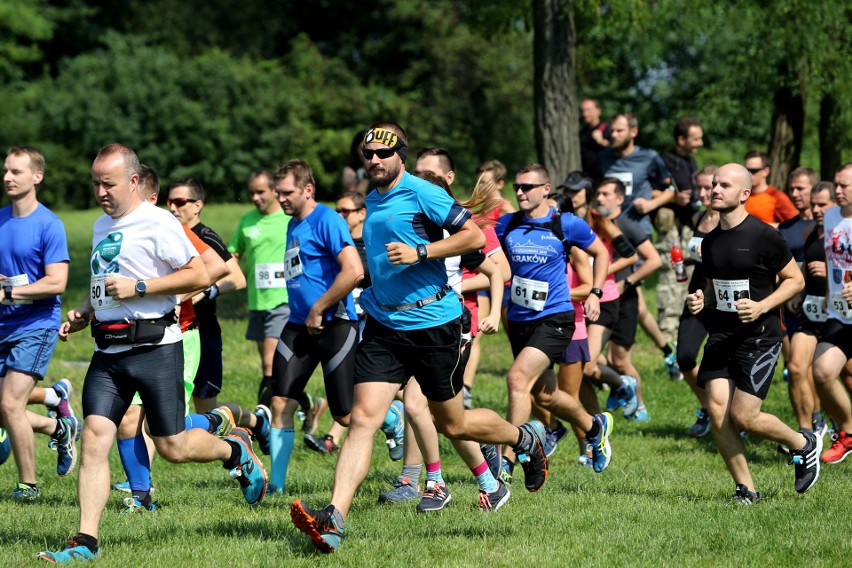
<point x="214" y="90"/>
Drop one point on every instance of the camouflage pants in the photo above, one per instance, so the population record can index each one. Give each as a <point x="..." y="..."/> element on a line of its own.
<point x="671" y="294"/>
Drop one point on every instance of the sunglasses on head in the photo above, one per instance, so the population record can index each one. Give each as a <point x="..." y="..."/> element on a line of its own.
<point x="755" y="170"/>
<point x="345" y="212"/>
<point x="180" y="201"/>
<point x="525" y="187"/>
<point x="382" y="153"/>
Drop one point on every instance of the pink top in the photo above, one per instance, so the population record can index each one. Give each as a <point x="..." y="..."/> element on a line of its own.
<point x="579" y="311"/>
<point x="492" y="244"/>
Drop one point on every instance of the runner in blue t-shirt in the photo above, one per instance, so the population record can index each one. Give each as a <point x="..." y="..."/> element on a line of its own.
<point x="321" y="267"/>
<point x="414" y="329"/>
<point x="33" y="272"/>
<point x="540" y="314"/>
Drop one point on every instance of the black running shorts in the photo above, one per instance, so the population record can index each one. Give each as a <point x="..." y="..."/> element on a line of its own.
<point x="624" y="330"/>
<point x="609" y="314"/>
<point x="550" y="334"/>
<point x="749" y="362"/>
<point x="838" y="334"/>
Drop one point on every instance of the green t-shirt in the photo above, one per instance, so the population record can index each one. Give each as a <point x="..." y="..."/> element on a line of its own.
<point x="261" y="241"/>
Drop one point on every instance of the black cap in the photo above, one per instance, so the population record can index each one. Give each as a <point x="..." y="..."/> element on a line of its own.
<point x="576" y="181"/>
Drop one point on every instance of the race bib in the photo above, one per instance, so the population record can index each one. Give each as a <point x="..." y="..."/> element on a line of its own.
<point x="292" y="263"/>
<point x="626" y="178"/>
<point x="841" y="306"/>
<point x="19" y="280"/>
<point x="99" y="297"/>
<point x="813" y="308"/>
<point x="269" y="275"/>
<point x="528" y="293"/>
<point x="694" y="245"/>
<point x="728" y="292"/>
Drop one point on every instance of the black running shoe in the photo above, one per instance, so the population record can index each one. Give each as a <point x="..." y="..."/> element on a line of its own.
<point x="745" y="497"/>
<point x="532" y="457"/>
<point x="806" y="461"/>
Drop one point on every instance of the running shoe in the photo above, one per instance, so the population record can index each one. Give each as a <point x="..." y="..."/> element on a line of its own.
<point x="395" y="433"/>
<point x="311" y="423"/>
<point x="806" y="461"/>
<point x="553" y="437"/>
<point x="641" y="415"/>
<point x="532" y="457"/>
<point x="133" y="505"/>
<point x="841" y="446"/>
<point x="250" y="472"/>
<point x="323" y="445"/>
<point x="624" y="396"/>
<point x="585" y="461"/>
<point x="403" y="490"/>
<point x="63" y="390"/>
<point x="124" y="487"/>
<point x="494" y="500"/>
<point x="227" y="421"/>
<point x="66" y="450"/>
<point x="272" y="490"/>
<point x="491" y="453"/>
<point x="745" y="497"/>
<point x="819" y="426"/>
<point x="5" y="446"/>
<point x="435" y="497"/>
<point x="73" y="551"/>
<point x="263" y="428"/>
<point x="24" y="492"/>
<point x="323" y="526"/>
<point x="670" y="362"/>
<point x="702" y="424"/>
<point x="601" y="450"/>
<point x="507" y="470"/>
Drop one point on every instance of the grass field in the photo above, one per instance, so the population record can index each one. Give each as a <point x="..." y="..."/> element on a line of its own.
<point x="664" y="500"/>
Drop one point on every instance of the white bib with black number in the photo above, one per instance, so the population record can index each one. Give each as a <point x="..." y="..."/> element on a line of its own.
<point x="292" y="263"/>
<point x="269" y="275"/>
<point x="531" y="294"/>
<point x="841" y="306"/>
<point x="19" y="280"/>
<point x="100" y="299"/>
<point x="626" y="178"/>
<point x="694" y="245"/>
<point x="814" y="308"/>
<point x="728" y="292"/>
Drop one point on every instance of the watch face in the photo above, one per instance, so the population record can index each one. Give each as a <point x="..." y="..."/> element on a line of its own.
<point x="141" y="287"/>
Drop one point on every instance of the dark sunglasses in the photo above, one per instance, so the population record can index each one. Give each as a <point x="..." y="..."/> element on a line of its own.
<point x="382" y="153"/>
<point x="525" y="187"/>
<point x="345" y="212"/>
<point x="180" y="201"/>
<point x="755" y="170"/>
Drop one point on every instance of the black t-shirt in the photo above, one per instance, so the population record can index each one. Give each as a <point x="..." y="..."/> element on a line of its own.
<point x="794" y="232"/>
<point x="744" y="260"/>
<point x="683" y="171"/>
<point x="589" y="149"/>
<point x="205" y="311"/>
<point x="814" y="250"/>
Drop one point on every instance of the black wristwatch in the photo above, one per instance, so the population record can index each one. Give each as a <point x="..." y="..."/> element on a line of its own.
<point x="597" y="292"/>
<point x="422" y="253"/>
<point x="629" y="284"/>
<point x="7" y="293"/>
<point x="141" y="288"/>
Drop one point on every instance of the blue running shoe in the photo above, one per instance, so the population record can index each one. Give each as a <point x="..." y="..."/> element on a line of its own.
<point x="491" y="453"/>
<point x="5" y="446"/>
<point x="670" y="362"/>
<point x="641" y="414"/>
<point x="403" y="490"/>
<point x="73" y="551"/>
<point x="819" y="426"/>
<point x="395" y="432"/>
<point x="124" y="487"/>
<point x="495" y="500"/>
<point x="553" y="437"/>
<point x="66" y="449"/>
<point x="532" y="456"/>
<point x="63" y="390"/>
<point x="506" y="471"/>
<point x="627" y="396"/>
<point x="226" y="423"/>
<point x="323" y="526"/>
<point x="702" y="424"/>
<point x="249" y="472"/>
<point x="24" y="492"/>
<point x="601" y="450"/>
<point x="264" y="417"/>
<point x="133" y="505"/>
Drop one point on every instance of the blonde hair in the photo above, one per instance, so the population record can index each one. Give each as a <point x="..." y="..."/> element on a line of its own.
<point x="484" y="198"/>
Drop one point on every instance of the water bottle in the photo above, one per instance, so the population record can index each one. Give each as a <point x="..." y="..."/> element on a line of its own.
<point x="679" y="268"/>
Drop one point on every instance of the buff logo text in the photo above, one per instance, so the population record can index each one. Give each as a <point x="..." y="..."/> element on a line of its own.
<point x="382" y="136"/>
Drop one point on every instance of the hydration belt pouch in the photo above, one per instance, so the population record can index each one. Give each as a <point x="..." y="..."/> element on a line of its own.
<point x="131" y="332"/>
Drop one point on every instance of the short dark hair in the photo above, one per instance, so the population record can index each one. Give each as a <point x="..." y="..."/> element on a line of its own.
<point x="356" y="197"/>
<point x="131" y="160"/>
<point x="564" y="203"/>
<point x="845" y="166"/>
<point x="810" y="173"/>
<point x="619" y="185"/>
<point x="36" y="158"/>
<point x="436" y="180"/>
<point x="196" y="190"/>
<point x="824" y="186"/>
<point x="632" y="121"/>
<point x="764" y="157"/>
<point x="683" y="125"/>
<point x="534" y="168"/>
<point x="261" y="173"/>
<point x="300" y="170"/>
<point x="444" y="157"/>
<point x="149" y="181"/>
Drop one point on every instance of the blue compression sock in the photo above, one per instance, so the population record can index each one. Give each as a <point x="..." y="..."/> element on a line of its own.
<point x="197" y="421"/>
<point x="281" y="446"/>
<point x="137" y="465"/>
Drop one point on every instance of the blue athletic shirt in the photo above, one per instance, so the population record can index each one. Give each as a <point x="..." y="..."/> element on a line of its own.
<point x="29" y="244"/>
<point x="641" y="171"/>
<point x="537" y="254"/>
<point x="310" y="263"/>
<point x="413" y="212"/>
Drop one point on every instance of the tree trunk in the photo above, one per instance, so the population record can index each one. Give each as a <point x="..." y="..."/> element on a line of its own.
<point x="556" y="111"/>
<point x="829" y="137"/>
<point x="788" y="123"/>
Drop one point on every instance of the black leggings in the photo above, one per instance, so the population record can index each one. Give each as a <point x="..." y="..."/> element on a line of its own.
<point x="691" y="333"/>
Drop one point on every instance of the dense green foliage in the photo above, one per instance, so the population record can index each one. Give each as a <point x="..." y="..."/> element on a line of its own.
<point x="215" y="91"/>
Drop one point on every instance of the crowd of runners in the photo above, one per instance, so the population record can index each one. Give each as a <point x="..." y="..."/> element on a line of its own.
<point x="390" y="294"/>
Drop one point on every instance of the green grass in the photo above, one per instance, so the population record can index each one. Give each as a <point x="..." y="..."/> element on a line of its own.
<point x="664" y="500"/>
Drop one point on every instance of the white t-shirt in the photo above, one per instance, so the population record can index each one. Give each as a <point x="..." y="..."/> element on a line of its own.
<point x="838" y="256"/>
<point x="147" y="243"/>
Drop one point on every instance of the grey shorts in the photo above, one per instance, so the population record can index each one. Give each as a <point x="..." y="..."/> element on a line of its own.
<point x="267" y="323"/>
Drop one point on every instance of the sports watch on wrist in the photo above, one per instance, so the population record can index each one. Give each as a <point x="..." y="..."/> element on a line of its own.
<point x="141" y="288"/>
<point x="7" y="293"/>
<point x="597" y="292"/>
<point x="422" y="253"/>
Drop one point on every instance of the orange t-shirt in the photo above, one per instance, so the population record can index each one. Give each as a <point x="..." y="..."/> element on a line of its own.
<point x="771" y="206"/>
<point x="187" y="312"/>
